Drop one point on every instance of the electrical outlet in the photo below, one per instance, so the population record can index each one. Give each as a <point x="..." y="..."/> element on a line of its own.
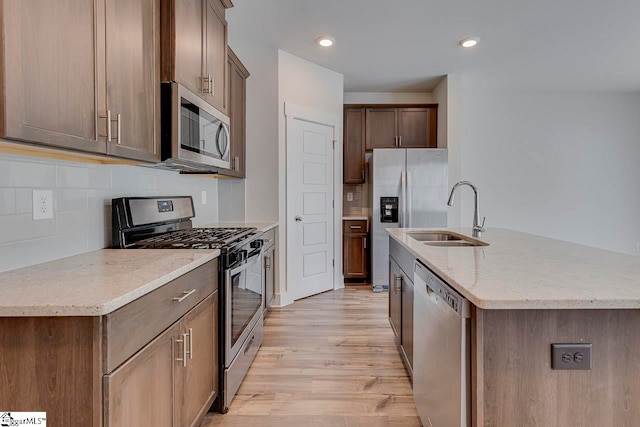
<point x="571" y="356"/>
<point x="42" y="204"/>
<point x="204" y="197"/>
<point x="349" y="197"/>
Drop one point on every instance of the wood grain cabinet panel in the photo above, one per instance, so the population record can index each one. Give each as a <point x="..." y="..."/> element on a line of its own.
<point x="381" y="128"/>
<point x="50" y="90"/>
<point x="417" y="127"/>
<point x="200" y="375"/>
<point x="407" y="322"/>
<point x="140" y="392"/>
<point x="194" y="48"/>
<point x="354" y="249"/>
<point x="238" y="75"/>
<point x="68" y="66"/>
<point x="354" y="146"/>
<point x="133" y="78"/>
<point x="395" y="300"/>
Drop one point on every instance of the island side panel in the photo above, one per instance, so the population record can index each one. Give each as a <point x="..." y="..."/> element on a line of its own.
<point x="519" y="388"/>
<point x="52" y="364"/>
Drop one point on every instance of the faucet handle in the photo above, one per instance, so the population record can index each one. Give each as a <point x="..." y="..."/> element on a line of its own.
<point x="484" y="218"/>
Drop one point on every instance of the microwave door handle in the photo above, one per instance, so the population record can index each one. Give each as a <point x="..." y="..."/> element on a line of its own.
<point x="222" y="152"/>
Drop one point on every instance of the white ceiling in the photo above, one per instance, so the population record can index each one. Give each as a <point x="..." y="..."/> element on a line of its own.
<point x="407" y="45"/>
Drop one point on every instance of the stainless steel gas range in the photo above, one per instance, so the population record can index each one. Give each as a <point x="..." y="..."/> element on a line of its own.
<point x="165" y="223"/>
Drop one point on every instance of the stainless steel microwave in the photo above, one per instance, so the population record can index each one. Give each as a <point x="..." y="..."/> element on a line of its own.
<point x="195" y="135"/>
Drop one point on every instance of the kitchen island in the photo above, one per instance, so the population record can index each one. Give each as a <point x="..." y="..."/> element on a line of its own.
<point x="527" y="293"/>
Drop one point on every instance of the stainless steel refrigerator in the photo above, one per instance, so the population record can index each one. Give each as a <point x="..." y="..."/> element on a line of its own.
<point x="408" y="190"/>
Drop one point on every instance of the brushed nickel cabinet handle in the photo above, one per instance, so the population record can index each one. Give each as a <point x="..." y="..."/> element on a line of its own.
<point x="183" y="359"/>
<point x="364" y="242"/>
<point x="266" y="263"/>
<point x="119" y="127"/>
<point x="108" y="125"/>
<point x="190" y="343"/>
<point x="236" y="163"/>
<point x="210" y="84"/>
<point x="184" y="296"/>
<point x="400" y="141"/>
<point x="356" y="227"/>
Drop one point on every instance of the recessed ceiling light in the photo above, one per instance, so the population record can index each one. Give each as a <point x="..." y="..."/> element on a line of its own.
<point x="326" y="41"/>
<point x="469" y="42"/>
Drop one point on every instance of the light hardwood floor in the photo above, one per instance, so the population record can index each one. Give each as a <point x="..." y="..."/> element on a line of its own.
<point x="328" y="360"/>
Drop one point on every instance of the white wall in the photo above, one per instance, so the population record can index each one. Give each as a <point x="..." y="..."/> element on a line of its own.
<point x="82" y="196"/>
<point x="388" y="98"/>
<point x="563" y="165"/>
<point x="261" y="60"/>
<point x="305" y="84"/>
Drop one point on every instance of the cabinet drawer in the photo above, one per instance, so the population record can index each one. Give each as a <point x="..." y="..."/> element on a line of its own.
<point x="355" y="226"/>
<point x="270" y="237"/>
<point x="129" y="328"/>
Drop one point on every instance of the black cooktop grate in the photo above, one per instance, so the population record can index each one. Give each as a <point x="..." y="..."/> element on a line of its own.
<point x="195" y="238"/>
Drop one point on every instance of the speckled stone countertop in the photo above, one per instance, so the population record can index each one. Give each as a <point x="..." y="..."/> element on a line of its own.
<point x="263" y="226"/>
<point x="94" y="283"/>
<point x="524" y="271"/>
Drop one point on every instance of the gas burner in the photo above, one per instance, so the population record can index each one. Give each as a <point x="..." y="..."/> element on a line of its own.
<point x="195" y="238"/>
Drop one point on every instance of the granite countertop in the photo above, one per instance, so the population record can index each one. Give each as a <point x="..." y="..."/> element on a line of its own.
<point x="263" y="226"/>
<point x="94" y="283"/>
<point x="525" y="271"/>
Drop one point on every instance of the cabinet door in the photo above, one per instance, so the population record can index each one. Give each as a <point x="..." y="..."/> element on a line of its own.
<point x="215" y="60"/>
<point x="417" y="127"/>
<point x="381" y="128"/>
<point x="50" y="94"/>
<point x="237" y="114"/>
<point x="395" y="299"/>
<point x="133" y="77"/>
<point x="355" y="255"/>
<point x="353" y="145"/>
<point x="141" y="391"/>
<point x="187" y="54"/>
<point x="199" y="382"/>
<point x="407" y="320"/>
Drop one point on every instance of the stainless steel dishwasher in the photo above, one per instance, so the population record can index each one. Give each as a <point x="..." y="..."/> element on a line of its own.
<point x="441" y="352"/>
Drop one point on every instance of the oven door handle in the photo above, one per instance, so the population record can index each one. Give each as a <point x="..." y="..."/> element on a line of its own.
<point x="252" y="259"/>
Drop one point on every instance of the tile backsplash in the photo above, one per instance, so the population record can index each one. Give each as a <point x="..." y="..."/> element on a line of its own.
<point x="82" y="194"/>
<point x="360" y="203"/>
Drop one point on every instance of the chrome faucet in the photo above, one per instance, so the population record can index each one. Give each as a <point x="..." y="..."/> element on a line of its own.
<point x="477" y="228"/>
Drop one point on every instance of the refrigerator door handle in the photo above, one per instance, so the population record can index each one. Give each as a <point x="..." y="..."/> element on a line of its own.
<point x="408" y="197"/>
<point x="403" y="203"/>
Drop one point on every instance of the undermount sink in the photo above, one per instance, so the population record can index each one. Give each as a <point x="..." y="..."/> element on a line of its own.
<point x="445" y="238"/>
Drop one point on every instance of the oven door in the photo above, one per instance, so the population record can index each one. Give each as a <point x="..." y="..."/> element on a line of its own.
<point x="244" y="302"/>
<point x="201" y="131"/>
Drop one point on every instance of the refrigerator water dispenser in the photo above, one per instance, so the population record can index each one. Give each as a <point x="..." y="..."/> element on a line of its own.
<point x="388" y="209"/>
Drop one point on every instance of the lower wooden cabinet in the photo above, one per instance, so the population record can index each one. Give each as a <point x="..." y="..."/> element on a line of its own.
<point x="141" y="392"/>
<point x="395" y="300"/>
<point x="152" y="362"/>
<point x="173" y="378"/>
<point x="354" y="249"/>
<point x="401" y="264"/>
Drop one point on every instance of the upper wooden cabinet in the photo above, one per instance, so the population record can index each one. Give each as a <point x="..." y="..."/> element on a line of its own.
<point x="238" y="75"/>
<point x="194" y="47"/>
<point x="50" y="87"/>
<point x="59" y="88"/>
<point x="133" y="78"/>
<point x="353" y="146"/>
<point x="402" y="127"/>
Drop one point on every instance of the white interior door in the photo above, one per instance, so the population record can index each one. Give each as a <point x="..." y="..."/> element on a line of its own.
<point x="309" y="207"/>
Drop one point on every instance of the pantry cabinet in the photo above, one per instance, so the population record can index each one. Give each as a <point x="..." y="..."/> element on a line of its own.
<point x="194" y="47"/>
<point x="82" y="75"/>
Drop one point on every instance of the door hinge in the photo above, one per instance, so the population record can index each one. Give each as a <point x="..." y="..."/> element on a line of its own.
<point x="334" y="143"/>
<point x="333" y="202"/>
<point x="333" y="262"/>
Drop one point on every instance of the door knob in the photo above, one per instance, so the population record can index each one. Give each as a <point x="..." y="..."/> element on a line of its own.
<point x="298" y="218"/>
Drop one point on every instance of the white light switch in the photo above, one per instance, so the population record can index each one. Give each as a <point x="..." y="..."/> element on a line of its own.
<point x="349" y="197"/>
<point x="204" y="197"/>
